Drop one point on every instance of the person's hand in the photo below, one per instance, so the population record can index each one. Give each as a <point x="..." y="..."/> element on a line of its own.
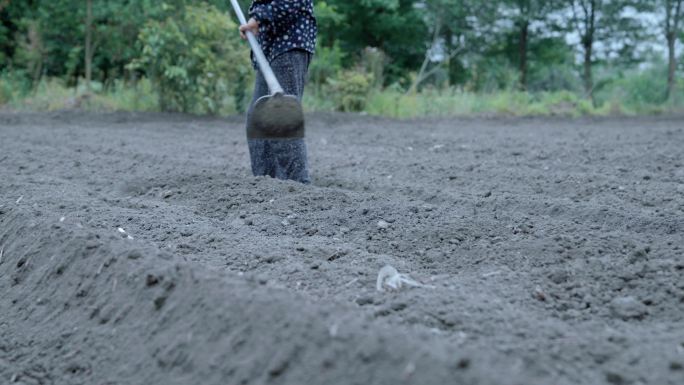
<point x="252" y="26"/>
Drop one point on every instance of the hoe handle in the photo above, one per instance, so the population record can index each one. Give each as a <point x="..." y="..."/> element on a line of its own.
<point x="269" y="76"/>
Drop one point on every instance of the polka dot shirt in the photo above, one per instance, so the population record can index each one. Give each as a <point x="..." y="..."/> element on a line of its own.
<point x="284" y="25"/>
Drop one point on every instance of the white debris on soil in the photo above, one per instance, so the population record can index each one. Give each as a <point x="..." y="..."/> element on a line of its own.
<point x="124" y="233"/>
<point x="334" y="328"/>
<point x="627" y="307"/>
<point x="389" y="278"/>
<point x="19" y="199"/>
<point x="539" y="294"/>
<point x="409" y="370"/>
<point x="492" y="273"/>
<point x="383" y="224"/>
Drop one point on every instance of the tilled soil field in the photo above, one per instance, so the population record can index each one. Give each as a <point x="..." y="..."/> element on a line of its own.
<point x="138" y="249"/>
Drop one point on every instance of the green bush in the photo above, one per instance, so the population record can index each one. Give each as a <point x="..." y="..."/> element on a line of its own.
<point x="492" y="75"/>
<point x="638" y="91"/>
<point x="5" y="90"/>
<point x="50" y="94"/>
<point x="351" y="89"/>
<point x="326" y="64"/>
<point x="195" y="61"/>
<point x="5" y="93"/>
<point x="14" y="85"/>
<point x="374" y="61"/>
<point x="126" y="96"/>
<point x="554" y="78"/>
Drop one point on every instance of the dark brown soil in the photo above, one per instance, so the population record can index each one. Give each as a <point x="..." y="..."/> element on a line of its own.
<point x="554" y="249"/>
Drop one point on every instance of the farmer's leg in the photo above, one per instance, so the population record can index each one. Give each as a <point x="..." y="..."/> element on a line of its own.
<point x="290" y="160"/>
<point x="291" y="69"/>
<point x="260" y="153"/>
<point x="261" y="157"/>
<point x="289" y="155"/>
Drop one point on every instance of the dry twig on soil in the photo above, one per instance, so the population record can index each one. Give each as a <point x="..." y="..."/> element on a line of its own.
<point x="389" y="278"/>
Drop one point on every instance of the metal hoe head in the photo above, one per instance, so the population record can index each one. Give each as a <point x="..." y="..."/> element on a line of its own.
<point x="276" y="116"/>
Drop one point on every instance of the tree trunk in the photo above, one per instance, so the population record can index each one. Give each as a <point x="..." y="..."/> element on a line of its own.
<point x="36" y="52"/>
<point x="423" y="68"/>
<point x="588" y="43"/>
<point x="522" y="51"/>
<point x="89" y="45"/>
<point x="448" y="36"/>
<point x="588" y="80"/>
<point x="673" y="9"/>
<point x="672" y="64"/>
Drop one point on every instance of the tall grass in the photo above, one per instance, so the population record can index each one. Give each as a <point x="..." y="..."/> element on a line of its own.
<point x="642" y="92"/>
<point x="436" y="103"/>
<point x="630" y="96"/>
<point x="618" y="93"/>
<point x="53" y="94"/>
<point x="455" y="103"/>
<point x="632" y="93"/>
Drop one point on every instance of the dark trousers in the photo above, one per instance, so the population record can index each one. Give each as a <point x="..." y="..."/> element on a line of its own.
<point x="282" y="158"/>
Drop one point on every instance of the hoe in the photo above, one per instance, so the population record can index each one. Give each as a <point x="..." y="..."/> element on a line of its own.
<point x="276" y="115"/>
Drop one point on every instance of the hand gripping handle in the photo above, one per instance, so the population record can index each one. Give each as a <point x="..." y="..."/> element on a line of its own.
<point x="269" y="76"/>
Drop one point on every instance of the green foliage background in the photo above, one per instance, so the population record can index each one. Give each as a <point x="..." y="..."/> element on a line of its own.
<point x="390" y="57"/>
<point x="194" y="60"/>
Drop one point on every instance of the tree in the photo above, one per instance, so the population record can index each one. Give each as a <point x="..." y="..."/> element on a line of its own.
<point x="64" y="38"/>
<point x="524" y="13"/>
<point x="609" y="22"/>
<point x="673" y="16"/>
<point x="89" y="49"/>
<point x="584" y="19"/>
<point x="396" y="27"/>
<point x="454" y="32"/>
<point x="195" y="59"/>
<point x="445" y="20"/>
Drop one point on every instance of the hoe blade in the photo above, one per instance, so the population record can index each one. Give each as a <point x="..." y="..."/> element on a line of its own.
<point x="276" y="116"/>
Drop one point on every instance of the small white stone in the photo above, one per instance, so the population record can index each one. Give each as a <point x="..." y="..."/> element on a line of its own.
<point x="627" y="308"/>
<point x="334" y="328"/>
